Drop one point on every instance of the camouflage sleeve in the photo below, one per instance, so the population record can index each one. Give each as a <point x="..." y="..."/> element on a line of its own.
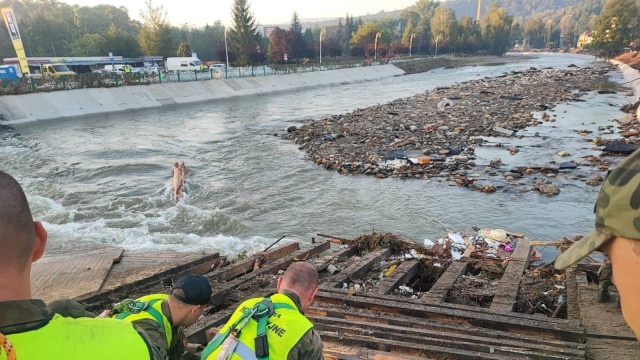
<point x="308" y="348"/>
<point x="178" y="344"/>
<point x="150" y="330"/>
<point x="69" y="308"/>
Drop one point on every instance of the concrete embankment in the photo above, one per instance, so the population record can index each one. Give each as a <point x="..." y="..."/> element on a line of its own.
<point x="632" y="76"/>
<point x="88" y="102"/>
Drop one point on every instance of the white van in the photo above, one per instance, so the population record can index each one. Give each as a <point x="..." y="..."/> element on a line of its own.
<point x="183" y="64"/>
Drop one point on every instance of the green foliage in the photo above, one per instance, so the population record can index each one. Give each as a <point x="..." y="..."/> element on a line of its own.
<point x="245" y="38"/>
<point x="616" y="27"/>
<point x="365" y="38"/>
<point x="496" y="30"/>
<point x="184" y="50"/>
<point x="298" y="45"/>
<point x="444" y="29"/>
<point x="88" y="45"/>
<point x="155" y="33"/>
<point x="120" y="43"/>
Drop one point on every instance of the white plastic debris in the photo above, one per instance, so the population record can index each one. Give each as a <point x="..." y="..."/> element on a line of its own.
<point x="437" y="264"/>
<point x="457" y="238"/>
<point x="428" y="242"/>
<point x="405" y="289"/>
<point x="345" y="285"/>
<point x="456" y="255"/>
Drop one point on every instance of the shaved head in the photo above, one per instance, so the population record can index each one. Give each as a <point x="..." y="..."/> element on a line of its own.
<point x="16" y="224"/>
<point x="301" y="278"/>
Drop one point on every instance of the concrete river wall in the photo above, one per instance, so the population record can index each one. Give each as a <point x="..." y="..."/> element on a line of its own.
<point x="99" y="101"/>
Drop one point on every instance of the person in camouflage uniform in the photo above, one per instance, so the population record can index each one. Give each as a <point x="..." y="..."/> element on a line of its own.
<point x="28" y="329"/>
<point x="604" y="280"/>
<point x="617" y="233"/>
<point x="297" y="286"/>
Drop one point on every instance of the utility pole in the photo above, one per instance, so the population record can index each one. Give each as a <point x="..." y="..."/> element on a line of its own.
<point x="479" y="11"/>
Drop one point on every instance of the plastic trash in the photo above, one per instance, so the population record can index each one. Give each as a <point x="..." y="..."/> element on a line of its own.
<point x="428" y="242"/>
<point x="405" y="289"/>
<point x="345" y="285"/>
<point x="457" y="238"/>
<point x="561" y="300"/>
<point x="508" y="248"/>
<point x="456" y="255"/>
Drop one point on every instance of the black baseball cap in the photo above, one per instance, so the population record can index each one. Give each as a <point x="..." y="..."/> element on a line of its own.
<point x="196" y="289"/>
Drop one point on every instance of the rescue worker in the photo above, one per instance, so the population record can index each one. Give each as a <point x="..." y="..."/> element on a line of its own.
<point x="617" y="233"/>
<point x="202" y="67"/>
<point x="604" y="281"/>
<point x="28" y="329"/>
<point x="274" y="327"/>
<point x="127" y="69"/>
<point x="163" y="317"/>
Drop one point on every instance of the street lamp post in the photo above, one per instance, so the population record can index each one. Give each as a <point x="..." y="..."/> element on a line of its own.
<point x="437" y="38"/>
<point x="226" y="51"/>
<point x="322" y="32"/>
<point x="375" y="48"/>
<point x="411" y="44"/>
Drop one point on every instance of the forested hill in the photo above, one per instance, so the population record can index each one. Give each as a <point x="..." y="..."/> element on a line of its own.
<point x="524" y="8"/>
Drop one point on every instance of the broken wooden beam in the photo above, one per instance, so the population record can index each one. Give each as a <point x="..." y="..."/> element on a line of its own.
<point x="360" y="268"/>
<point x="246" y="266"/>
<point x="440" y="290"/>
<point x="512" y="322"/>
<point x="511" y="348"/>
<point x="507" y="291"/>
<point x="406" y="271"/>
<point x="409" y="322"/>
<point x="95" y="301"/>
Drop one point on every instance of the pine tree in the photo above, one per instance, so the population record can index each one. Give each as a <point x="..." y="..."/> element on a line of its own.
<point x="245" y="38"/>
<point x="297" y="42"/>
<point x="340" y="32"/>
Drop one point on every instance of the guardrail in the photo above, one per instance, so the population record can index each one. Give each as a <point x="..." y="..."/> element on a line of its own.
<point x="101" y="80"/>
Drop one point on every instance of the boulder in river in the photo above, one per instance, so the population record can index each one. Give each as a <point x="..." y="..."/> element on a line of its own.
<point x="619" y="147"/>
<point x="549" y="189"/>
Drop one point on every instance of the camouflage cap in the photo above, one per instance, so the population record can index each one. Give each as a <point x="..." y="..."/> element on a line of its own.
<point x="617" y="212"/>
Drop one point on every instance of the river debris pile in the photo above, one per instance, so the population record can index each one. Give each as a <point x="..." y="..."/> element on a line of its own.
<point x="436" y="134"/>
<point x="543" y="291"/>
<point x="478" y="285"/>
<point x="486" y="244"/>
<point x="374" y="240"/>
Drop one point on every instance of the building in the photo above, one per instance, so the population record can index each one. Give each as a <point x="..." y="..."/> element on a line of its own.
<point x="585" y="39"/>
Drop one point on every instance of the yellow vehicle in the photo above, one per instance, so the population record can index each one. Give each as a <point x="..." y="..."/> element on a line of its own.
<point x="55" y="70"/>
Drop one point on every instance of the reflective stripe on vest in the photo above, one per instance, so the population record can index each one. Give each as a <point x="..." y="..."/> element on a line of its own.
<point x="284" y="329"/>
<point x="81" y="339"/>
<point x="152" y="312"/>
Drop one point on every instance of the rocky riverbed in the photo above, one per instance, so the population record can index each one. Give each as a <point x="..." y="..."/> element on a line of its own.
<point x="436" y="134"/>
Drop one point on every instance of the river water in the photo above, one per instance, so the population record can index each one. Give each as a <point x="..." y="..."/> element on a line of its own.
<point x="108" y="179"/>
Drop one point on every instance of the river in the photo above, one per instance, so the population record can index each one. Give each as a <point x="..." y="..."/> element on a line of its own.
<point x="107" y="179"/>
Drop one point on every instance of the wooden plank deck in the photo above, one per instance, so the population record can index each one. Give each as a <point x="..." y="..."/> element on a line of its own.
<point x="73" y="274"/>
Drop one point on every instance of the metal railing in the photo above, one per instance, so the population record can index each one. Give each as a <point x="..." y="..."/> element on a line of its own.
<point x="28" y="85"/>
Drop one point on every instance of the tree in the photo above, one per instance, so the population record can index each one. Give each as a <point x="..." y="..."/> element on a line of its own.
<point x="298" y="46"/>
<point x="308" y="40"/>
<point x="279" y="45"/>
<point x="617" y="26"/>
<point x="155" y="34"/>
<point x="364" y="39"/>
<point x="496" y="29"/>
<point x="470" y="35"/>
<point x="245" y="38"/>
<point x="444" y="29"/>
<point x="88" y="45"/>
<point x="184" y="50"/>
<point x="121" y="43"/>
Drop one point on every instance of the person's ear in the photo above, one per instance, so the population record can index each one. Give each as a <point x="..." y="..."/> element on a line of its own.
<point x="279" y="284"/>
<point x="40" y="241"/>
<point x="312" y="295"/>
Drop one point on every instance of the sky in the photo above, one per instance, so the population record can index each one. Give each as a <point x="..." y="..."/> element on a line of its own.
<point x="267" y="12"/>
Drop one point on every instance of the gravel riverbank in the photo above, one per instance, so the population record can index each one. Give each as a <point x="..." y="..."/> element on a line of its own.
<point x="436" y="134"/>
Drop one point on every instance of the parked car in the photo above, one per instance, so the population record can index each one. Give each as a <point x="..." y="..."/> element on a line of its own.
<point x="217" y="67"/>
<point x="153" y="70"/>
